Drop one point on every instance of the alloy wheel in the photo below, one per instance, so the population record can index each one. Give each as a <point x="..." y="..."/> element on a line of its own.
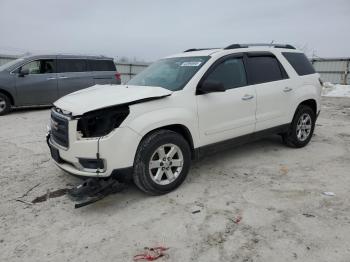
<point x="166" y="164"/>
<point x="304" y="126"/>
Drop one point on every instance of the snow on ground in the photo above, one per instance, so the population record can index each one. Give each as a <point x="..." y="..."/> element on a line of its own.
<point x="336" y="90"/>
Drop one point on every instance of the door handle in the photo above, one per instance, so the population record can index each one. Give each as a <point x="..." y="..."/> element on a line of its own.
<point x="63" y="77"/>
<point x="51" y="78"/>
<point x="247" y="97"/>
<point x="287" y="89"/>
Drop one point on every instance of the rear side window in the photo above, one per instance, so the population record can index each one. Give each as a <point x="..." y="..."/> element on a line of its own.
<point x="101" y="65"/>
<point x="231" y="73"/>
<point x="300" y="63"/>
<point x="71" y="65"/>
<point x="262" y="69"/>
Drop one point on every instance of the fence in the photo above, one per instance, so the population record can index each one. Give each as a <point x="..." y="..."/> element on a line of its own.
<point x="6" y="58"/>
<point x="127" y="71"/>
<point x="334" y="70"/>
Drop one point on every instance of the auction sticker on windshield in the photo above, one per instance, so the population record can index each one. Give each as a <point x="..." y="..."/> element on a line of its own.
<point x="195" y="63"/>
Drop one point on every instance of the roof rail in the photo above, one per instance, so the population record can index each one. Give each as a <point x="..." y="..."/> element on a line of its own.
<point x="234" y="46"/>
<point x="198" y="49"/>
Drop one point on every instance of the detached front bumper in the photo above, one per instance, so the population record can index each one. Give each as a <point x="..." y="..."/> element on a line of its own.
<point x="96" y="157"/>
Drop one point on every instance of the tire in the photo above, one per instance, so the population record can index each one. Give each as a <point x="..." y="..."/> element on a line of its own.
<point x="5" y="104"/>
<point x="150" y="169"/>
<point x="301" y="129"/>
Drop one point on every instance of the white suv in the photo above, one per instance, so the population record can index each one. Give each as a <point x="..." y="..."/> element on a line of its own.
<point x="181" y="107"/>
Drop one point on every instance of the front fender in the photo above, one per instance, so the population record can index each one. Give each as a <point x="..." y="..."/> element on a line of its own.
<point x="152" y="120"/>
<point x="7" y="86"/>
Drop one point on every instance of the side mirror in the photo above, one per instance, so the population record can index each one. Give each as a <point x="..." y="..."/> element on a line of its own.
<point x="211" y="87"/>
<point x="23" y="72"/>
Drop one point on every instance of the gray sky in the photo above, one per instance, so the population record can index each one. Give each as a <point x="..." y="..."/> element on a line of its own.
<point x="152" y="29"/>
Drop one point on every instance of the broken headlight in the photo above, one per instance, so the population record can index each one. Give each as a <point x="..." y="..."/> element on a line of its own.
<point x="101" y="122"/>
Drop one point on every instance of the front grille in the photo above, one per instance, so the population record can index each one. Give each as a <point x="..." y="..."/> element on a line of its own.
<point x="59" y="129"/>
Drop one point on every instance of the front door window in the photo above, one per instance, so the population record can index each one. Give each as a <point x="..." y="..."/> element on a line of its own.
<point x="230" y="73"/>
<point x="43" y="66"/>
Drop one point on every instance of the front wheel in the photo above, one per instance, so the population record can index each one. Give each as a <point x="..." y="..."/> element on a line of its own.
<point x="301" y="128"/>
<point x="162" y="162"/>
<point x="5" y="104"/>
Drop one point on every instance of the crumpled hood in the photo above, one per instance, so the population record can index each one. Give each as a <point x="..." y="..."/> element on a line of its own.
<point x="102" y="96"/>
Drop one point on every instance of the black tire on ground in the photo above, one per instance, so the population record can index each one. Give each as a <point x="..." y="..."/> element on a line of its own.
<point x="148" y="146"/>
<point x="291" y="138"/>
<point x="5" y="104"/>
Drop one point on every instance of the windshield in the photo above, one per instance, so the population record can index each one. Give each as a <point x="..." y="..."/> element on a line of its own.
<point x="9" y="64"/>
<point x="170" y="73"/>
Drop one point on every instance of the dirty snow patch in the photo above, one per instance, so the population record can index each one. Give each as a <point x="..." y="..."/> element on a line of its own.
<point x="336" y="90"/>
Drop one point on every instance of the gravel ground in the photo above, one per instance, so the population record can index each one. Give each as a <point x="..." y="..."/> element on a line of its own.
<point x="277" y="192"/>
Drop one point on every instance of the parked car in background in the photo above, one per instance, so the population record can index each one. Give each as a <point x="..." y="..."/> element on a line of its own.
<point x="182" y="107"/>
<point x="42" y="79"/>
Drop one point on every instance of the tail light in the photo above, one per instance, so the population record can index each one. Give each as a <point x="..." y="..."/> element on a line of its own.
<point x="117" y="76"/>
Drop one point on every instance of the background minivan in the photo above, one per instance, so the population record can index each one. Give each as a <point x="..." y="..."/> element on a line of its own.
<point x="41" y="80"/>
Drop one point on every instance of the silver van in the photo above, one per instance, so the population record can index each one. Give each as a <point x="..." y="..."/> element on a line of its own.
<point x="41" y="80"/>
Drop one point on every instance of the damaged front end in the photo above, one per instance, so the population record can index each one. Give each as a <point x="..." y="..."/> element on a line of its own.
<point x="101" y="122"/>
<point x="93" y="190"/>
<point x="97" y="124"/>
<point x="75" y="141"/>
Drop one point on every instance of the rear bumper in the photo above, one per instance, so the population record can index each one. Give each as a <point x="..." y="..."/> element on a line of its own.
<point x="116" y="151"/>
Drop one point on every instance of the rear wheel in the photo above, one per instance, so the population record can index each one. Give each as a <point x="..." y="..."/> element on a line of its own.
<point x="162" y="162"/>
<point x="5" y="104"/>
<point x="301" y="128"/>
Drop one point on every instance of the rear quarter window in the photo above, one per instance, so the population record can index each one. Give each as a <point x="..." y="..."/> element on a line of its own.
<point x="101" y="65"/>
<point x="300" y="63"/>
